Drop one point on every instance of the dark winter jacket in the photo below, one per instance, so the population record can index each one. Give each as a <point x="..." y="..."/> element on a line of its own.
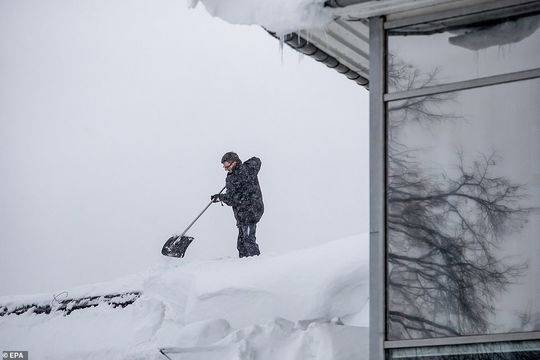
<point x="244" y="193"/>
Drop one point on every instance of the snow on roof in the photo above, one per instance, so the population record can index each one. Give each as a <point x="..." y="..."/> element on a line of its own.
<point x="211" y="306"/>
<point x="279" y="16"/>
<point x="283" y="340"/>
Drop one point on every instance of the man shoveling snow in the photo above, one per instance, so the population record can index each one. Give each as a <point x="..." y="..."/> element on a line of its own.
<point x="243" y="193"/>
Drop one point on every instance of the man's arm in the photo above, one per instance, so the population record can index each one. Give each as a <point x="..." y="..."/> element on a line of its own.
<point x="227" y="198"/>
<point x="231" y="197"/>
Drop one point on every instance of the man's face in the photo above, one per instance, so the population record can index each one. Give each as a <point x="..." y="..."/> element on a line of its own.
<point x="229" y="166"/>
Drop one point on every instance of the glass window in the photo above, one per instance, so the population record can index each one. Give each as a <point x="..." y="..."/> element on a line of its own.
<point x="433" y="56"/>
<point x="519" y="350"/>
<point x="462" y="212"/>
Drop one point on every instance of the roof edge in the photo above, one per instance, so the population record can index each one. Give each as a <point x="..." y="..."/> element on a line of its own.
<point x="358" y="9"/>
<point x="305" y="47"/>
<point x="342" y="3"/>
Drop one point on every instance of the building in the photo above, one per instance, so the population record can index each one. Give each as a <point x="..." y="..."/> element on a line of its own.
<point x="455" y="179"/>
<point x="455" y="170"/>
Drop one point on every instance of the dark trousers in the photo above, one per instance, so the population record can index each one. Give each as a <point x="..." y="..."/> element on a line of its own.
<point x="246" y="240"/>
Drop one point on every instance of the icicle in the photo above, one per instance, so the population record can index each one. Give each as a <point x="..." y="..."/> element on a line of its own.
<point x="281" y="41"/>
<point x="298" y="43"/>
<point x="477" y="62"/>
<point x="192" y="4"/>
<point x="504" y="50"/>
<point x="300" y="57"/>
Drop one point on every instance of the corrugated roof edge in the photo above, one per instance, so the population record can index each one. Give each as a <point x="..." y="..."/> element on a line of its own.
<point x="303" y="46"/>
<point x="68" y="305"/>
<point x="343" y="3"/>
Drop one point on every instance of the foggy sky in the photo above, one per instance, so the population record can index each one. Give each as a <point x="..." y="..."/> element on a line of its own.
<point x="113" y="119"/>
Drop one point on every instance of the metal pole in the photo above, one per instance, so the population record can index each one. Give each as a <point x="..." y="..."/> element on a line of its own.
<point x="377" y="178"/>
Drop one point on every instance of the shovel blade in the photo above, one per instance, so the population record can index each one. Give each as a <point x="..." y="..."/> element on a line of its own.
<point x="176" y="246"/>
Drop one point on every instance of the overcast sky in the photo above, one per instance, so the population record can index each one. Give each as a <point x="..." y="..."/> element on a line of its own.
<point x="114" y="116"/>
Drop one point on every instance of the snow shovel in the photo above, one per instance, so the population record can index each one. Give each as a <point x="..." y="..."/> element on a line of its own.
<point x="177" y="244"/>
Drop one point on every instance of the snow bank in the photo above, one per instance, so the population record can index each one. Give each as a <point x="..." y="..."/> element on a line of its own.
<point x="284" y="340"/>
<point x="280" y="16"/>
<point x="226" y="309"/>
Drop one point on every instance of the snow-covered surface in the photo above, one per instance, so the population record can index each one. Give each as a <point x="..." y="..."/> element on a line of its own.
<point x="309" y="303"/>
<point x="280" y="16"/>
<point x="284" y="340"/>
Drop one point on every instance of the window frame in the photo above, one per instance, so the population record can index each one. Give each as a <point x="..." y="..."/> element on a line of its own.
<point x="379" y="98"/>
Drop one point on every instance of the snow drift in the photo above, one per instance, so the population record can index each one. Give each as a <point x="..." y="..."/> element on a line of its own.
<point x="310" y="303"/>
<point x="280" y="16"/>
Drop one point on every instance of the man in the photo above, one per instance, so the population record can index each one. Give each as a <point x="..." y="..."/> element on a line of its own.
<point x="243" y="193"/>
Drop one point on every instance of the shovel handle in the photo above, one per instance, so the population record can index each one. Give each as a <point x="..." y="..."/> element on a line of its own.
<point x="200" y="214"/>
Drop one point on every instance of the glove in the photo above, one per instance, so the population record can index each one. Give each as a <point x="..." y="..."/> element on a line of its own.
<point x="215" y="198"/>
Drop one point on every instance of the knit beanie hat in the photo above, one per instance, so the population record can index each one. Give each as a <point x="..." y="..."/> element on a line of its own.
<point x="231" y="157"/>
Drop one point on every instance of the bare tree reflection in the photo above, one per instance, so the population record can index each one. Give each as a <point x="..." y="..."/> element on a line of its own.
<point x="529" y="320"/>
<point x="444" y="230"/>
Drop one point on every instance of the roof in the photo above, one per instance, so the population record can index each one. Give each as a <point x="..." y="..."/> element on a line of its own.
<point x="344" y="44"/>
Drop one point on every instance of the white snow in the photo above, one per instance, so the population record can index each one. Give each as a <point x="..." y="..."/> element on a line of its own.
<point x="310" y="303"/>
<point x="280" y="16"/>
<point x="284" y="340"/>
